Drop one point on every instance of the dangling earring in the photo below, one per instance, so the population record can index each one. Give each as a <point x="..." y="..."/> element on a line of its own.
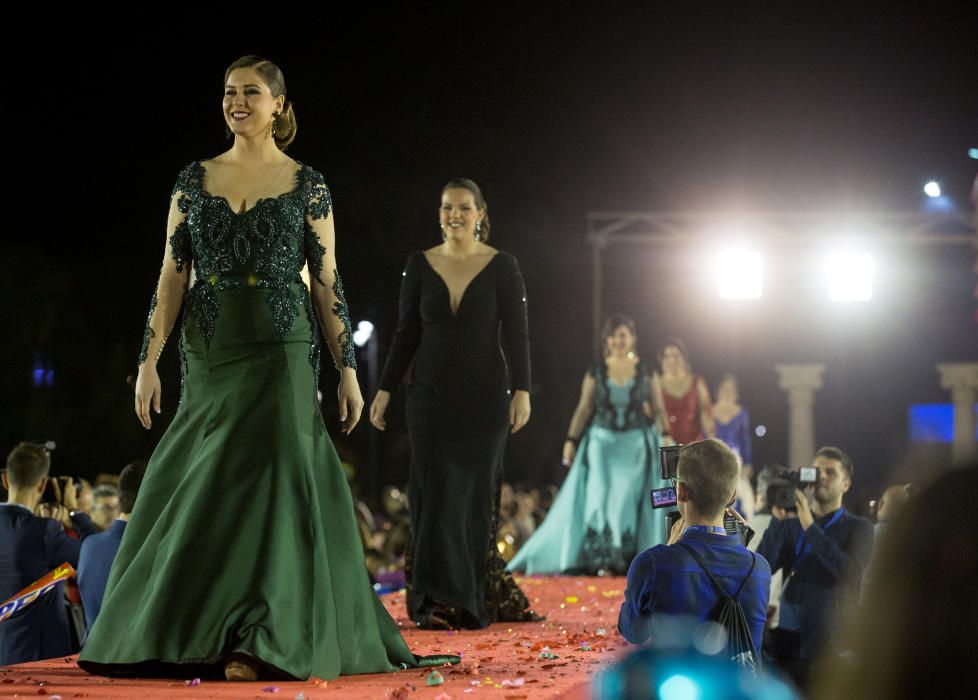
<point x="274" y="125"/>
<point x="478" y="230"/>
<point x="444" y="234"/>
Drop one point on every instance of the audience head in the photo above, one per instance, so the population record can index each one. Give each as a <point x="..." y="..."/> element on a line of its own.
<point x="130" y="479"/>
<point x="764" y="477"/>
<point x="106" y="505"/>
<point x="707" y="475"/>
<point x="892" y="502"/>
<point x="28" y="465"/>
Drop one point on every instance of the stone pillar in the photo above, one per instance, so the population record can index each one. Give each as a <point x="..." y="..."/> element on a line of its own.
<point x="801" y="382"/>
<point x="961" y="378"/>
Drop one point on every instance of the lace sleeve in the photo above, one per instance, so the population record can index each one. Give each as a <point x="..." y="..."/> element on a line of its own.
<point x="325" y="284"/>
<point x="165" y="305"/>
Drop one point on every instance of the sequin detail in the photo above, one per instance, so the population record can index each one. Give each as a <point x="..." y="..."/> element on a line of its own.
<point x="264" y="247"/>
<point x="340" y="310"/>
<point x="148" y="333"/>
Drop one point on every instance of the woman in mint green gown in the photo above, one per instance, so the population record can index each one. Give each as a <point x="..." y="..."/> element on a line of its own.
<point x="602" y="516"/>
<point x="242" y="553"/>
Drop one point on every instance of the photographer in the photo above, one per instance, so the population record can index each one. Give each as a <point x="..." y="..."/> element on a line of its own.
<point x="667" y="579"/>
<point x="30" y="547"/>
<point x="823" y="551"/>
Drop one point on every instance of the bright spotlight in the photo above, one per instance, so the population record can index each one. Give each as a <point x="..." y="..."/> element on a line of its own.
<point x="932" y="189"/>
<point x="849" y="276"/>
<point x="362" y="334"/>
<point x="973" y="153"/>
<point x="740" y="274"/>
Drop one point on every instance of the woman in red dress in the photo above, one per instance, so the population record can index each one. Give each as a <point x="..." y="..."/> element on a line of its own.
<point x="685" y="396"/>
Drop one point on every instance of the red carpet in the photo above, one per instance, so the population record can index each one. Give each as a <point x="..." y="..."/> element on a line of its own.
<point x="504" y="661"/>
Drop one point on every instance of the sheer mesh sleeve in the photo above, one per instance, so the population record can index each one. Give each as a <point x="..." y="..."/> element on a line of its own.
<point x="325" y="284"/>
<point x="165" y="305"/>
<point x="408" y="333"/>
<point x="511" y="295"/>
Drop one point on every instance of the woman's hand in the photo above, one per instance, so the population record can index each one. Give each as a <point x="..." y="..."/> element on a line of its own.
<point x="350" y="399"/>
<point x="570" y="451"/>
<point x="378" y="408"/>
<point x="149" y="392"/>
<point x="519" y="410"/>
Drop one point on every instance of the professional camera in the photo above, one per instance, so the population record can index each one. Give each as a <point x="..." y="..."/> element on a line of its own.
<point x="781" y="489"/>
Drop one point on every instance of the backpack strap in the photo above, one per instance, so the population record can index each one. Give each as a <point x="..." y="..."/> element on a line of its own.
<point x="720" y="589"/>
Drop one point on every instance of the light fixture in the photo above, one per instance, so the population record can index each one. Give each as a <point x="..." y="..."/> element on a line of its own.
<point x="740" y="274"/>
<point x="849" y="276"/>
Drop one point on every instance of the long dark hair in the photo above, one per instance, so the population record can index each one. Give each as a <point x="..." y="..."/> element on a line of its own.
<point x="286" y="127"/>
<point x="464" y="183"/>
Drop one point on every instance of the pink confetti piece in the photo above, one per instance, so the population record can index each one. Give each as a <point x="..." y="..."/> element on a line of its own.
<point x="270" y="689"/>
<point x="195" y="682"/>
<point x="443" y="696"/>
<point x="513" y="684"/>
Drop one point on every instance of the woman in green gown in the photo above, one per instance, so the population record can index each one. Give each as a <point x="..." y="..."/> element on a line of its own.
<point x="242" y="552"/>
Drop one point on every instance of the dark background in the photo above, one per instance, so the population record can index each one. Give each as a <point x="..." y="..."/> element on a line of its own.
<point x="556" y="110"/>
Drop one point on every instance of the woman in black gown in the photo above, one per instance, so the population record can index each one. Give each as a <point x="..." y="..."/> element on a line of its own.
<point x="462" y="403"/>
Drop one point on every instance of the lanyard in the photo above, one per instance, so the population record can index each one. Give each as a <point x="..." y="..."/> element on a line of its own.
<point x="801" y="549"/>
<point x="708" y="529"/>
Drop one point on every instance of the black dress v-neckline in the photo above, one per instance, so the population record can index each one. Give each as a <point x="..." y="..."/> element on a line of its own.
<point x="448" y="289"/>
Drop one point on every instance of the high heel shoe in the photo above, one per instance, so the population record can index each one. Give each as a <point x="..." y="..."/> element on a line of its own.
<point x="240" y="668"/>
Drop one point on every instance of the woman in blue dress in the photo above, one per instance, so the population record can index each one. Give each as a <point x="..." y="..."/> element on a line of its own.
<point x="602" y="516"/>
<point x="733" y="427"/>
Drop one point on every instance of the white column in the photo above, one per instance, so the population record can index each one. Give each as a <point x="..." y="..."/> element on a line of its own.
<point x="961" y="378"/>
<point x="801" y="382"/>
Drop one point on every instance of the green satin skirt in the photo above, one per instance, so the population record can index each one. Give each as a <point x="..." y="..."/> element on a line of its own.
<point x="243" y="536"/>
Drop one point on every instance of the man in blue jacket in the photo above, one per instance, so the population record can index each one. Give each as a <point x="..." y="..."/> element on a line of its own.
<point x="823" y="551"/>
<point x="666" y="580"/>
<point x="98" y="551"/>
<point x="30" y="547"/>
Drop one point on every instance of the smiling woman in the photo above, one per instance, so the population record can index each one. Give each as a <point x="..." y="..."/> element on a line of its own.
<point x="242" y="555"/>
<point x="463" y="399"/>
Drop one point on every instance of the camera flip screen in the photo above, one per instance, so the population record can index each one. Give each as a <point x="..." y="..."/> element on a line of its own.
<point x="668" y="461"/>
<point x="808" y="475"/>
<point x="664" y="497"/>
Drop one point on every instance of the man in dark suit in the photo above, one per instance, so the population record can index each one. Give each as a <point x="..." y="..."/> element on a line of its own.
<point x="30" y="547"/>
<point x="98" y="551"/>
<point x="823" y="550"/>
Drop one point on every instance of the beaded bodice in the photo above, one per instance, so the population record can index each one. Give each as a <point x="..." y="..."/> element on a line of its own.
<point x="264" y="247"/>
<point x="620" y="407"/>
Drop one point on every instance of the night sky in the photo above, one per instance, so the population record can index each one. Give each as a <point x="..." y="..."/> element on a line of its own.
<point x="556" y="110"/>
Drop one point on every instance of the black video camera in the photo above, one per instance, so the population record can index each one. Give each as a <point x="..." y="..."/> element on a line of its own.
<point x="781" y="489"/>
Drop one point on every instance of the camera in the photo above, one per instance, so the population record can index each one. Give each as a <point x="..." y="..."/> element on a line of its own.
<point x="668" y="461"/>
<point x="781" y="489"/>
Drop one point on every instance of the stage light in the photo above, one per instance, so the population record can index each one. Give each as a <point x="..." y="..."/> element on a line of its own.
<point x="362" y="334"/>
<point x="740" y="274"/>
<point x="760" y="431"/>
<point x="932" y="189"/>
<point x="849" y="276"/>
<point x="973" y="153"/>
